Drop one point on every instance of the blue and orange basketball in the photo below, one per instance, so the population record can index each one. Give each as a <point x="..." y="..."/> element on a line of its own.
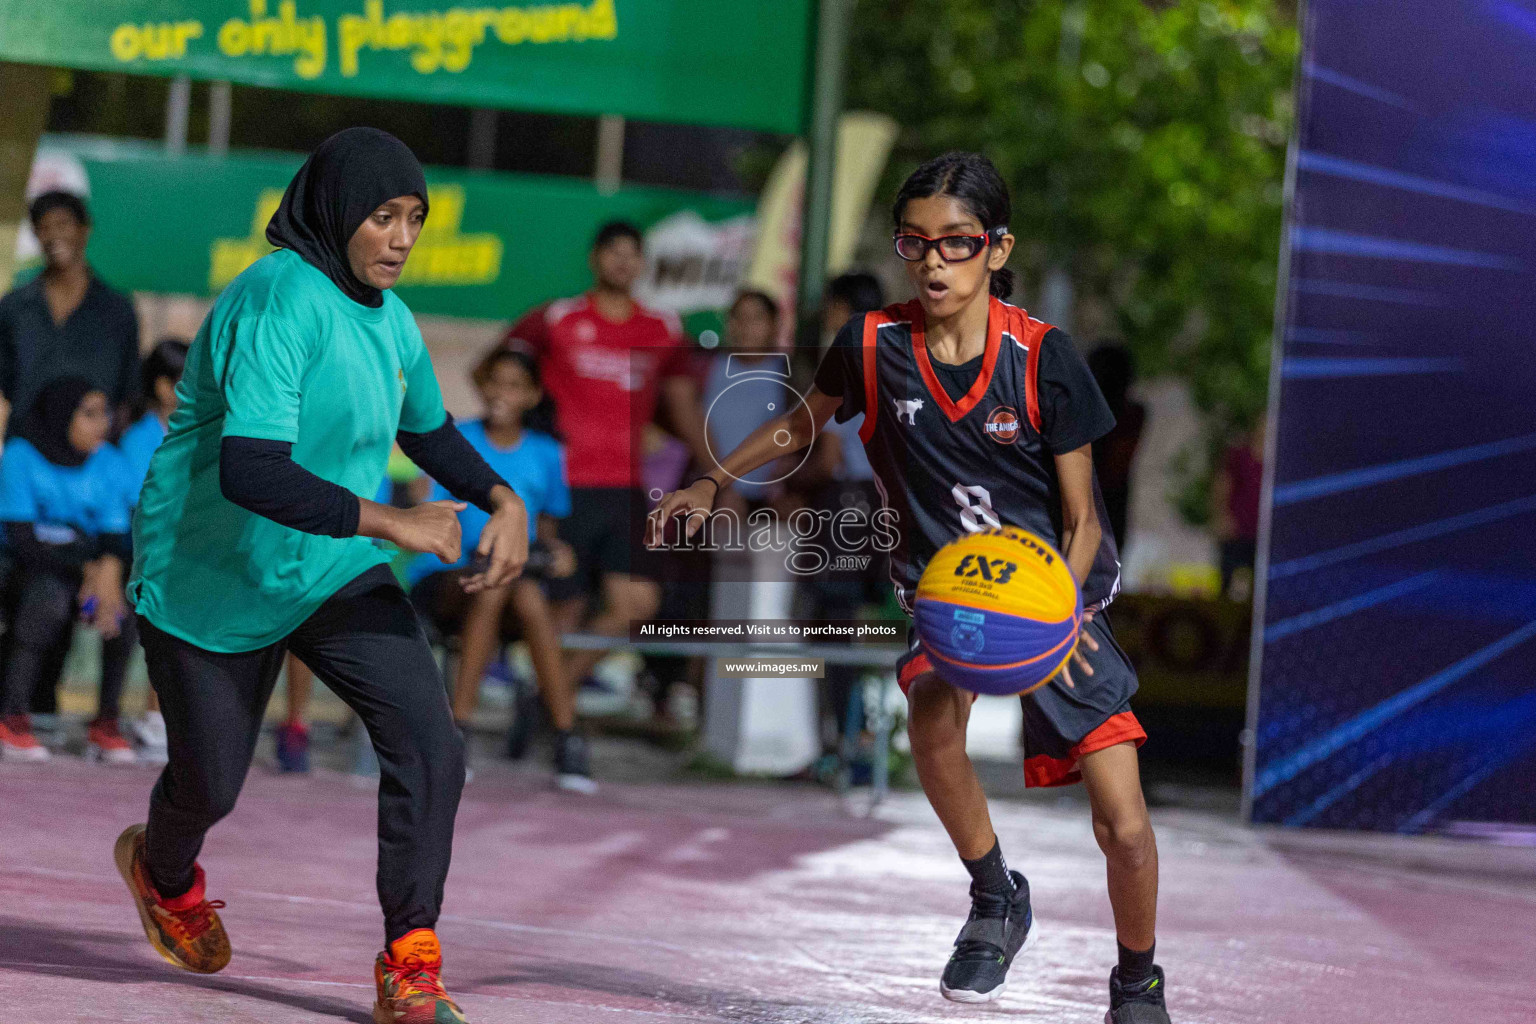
<point x="998" y="611"/>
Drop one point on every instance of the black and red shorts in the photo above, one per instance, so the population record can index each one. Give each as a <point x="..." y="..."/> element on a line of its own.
<point x="1062" y="724"/>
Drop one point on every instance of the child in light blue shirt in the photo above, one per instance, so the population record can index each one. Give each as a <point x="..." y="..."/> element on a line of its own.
<point x="516" y="437"/>
<point x="64" y="508"/>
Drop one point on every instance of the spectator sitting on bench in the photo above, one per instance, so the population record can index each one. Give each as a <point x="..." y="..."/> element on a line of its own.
<point x="64" y="504"/>
<point x="516" y="437"/>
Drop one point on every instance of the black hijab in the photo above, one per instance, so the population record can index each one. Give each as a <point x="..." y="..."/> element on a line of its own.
<point x="47" y="425"/>
<point x="353" y="173"/>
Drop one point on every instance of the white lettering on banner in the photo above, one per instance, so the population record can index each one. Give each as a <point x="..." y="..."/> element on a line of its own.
<point x="694" y="264"/>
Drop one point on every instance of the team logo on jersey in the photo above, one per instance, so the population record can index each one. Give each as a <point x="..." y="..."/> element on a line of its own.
<point x="1002" y="425"/>
<point x="906" y="409"/>
<point x="586" y="331"/>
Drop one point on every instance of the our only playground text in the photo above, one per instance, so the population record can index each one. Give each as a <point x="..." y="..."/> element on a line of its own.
<point x="436" y="40"/>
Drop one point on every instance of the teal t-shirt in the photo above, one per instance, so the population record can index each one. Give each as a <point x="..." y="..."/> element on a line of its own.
<point x="282" y="356"/>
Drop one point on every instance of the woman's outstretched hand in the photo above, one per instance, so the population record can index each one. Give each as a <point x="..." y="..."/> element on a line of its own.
<point x="695" y="502"/>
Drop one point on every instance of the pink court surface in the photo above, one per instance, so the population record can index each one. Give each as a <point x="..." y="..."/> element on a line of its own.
<point x="745" y="903"/>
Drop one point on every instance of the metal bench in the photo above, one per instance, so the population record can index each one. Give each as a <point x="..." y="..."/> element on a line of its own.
<point x="878" y="657"/>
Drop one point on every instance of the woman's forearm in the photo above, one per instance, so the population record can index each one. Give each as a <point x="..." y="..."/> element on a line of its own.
<point x="261" y="477"/>
<point x="447" y="456"/>
<point x="376" y="521"/>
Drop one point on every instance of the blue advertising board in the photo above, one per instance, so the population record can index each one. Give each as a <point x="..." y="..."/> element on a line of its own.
<point x="1395" y="683"/>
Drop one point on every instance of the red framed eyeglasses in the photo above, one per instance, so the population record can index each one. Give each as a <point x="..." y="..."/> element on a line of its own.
<point x="952" y="248"/>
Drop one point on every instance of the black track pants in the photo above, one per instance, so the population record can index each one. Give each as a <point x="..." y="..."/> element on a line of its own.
<point x="368" y="647"/>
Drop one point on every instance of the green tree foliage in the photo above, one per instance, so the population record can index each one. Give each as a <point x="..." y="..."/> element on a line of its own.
<point x="1145" y="146"/>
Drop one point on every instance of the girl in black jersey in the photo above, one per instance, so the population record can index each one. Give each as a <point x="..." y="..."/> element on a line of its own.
<point x="976" y="415"/>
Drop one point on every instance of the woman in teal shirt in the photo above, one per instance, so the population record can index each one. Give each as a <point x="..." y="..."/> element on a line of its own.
<point x="252" y="540"/>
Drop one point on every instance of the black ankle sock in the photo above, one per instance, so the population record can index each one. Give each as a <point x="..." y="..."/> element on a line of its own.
<point x="1135" y="967"/>
<point x="171" y="892"/>
<point x="989" y="872"/>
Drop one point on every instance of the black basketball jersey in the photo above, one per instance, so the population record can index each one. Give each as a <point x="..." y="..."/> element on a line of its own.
<point x="946" y="466"/>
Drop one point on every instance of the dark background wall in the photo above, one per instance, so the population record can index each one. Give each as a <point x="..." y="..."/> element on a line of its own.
<point x="1398" y="680"/>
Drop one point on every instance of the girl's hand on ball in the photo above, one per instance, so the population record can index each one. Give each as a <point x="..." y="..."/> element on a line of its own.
<point x="1083" y="637"/>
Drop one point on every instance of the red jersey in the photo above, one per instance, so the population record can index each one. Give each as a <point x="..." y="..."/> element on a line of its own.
<point x="604" y="378"/>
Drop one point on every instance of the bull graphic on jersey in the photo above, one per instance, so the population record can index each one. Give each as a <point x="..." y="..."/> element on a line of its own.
<point x="906" y="408"/>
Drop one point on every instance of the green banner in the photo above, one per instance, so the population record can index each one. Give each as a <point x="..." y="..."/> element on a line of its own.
<point x="715" y="62"/>
<point x="494" y="244"/>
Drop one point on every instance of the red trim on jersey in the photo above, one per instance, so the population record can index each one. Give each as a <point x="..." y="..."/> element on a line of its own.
<point x="1041" y="770"/>
<point x="873" y="321"/>
<point x="956" y="411"/>
<point x="1032" y="386"/>
<point x="1030" y="333"/>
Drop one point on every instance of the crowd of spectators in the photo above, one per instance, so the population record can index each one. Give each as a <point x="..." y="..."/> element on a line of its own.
<point x="72" y="382"/>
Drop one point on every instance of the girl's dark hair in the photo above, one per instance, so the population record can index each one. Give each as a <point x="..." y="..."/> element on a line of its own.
<point x="167" y="359"/>
<point x="542" y="416"/>
<point x="971" y="179"/>
<point x="762" y="298"/>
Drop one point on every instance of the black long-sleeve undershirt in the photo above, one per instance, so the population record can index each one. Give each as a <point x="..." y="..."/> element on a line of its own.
<point x="261" y="477"/>
<point x="447" y="456"/>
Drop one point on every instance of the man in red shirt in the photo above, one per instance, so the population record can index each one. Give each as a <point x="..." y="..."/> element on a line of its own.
<point x="607" y="362"/>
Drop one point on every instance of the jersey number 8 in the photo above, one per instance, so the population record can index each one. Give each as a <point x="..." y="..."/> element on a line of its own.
<point x="979" y="515"/>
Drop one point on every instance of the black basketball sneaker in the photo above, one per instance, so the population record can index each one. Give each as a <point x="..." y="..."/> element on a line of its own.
<point x="999" y="929"/>
<point x="1137" y="1004"/>
<point x="573" y="771"/>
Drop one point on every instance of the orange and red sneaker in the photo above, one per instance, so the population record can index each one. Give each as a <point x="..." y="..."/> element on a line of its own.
<point x="409" y="975"/>
<point x="17" y="740"/>
<point x="106" y="742"/>
<point x="185" y="930"/>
